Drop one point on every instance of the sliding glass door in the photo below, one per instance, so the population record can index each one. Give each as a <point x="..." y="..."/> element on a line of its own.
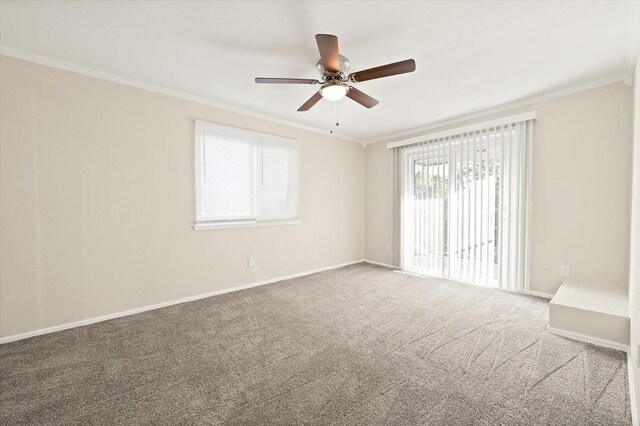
<point x="462" y="203"/>
<point x="452" y="208"/>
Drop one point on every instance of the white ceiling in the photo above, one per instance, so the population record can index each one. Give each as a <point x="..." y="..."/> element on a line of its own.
<point x="469" y="55"/>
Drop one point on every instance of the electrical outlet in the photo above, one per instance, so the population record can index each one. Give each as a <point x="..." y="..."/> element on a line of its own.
<point x="565" y="271"/>
<point x="250" y="262"/>
<point x="388" y="249"/>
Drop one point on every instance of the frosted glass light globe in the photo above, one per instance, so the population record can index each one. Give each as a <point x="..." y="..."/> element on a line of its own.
<point x="334" y="92"/>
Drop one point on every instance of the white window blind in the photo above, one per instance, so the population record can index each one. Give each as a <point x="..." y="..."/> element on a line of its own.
<point x="245" y="177"/>
<point x="462" y="203"/>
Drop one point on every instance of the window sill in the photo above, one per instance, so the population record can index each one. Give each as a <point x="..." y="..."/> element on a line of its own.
<point x="203" y="226"/>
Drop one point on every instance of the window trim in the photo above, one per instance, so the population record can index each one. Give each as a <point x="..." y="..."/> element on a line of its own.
<point x="200" y="223"/>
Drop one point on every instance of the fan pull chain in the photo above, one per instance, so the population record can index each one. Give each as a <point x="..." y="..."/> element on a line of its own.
<point x="337" y="119"/>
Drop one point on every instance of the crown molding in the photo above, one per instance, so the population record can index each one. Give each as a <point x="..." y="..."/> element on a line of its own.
<point x="522" y="102"/>
<point x="633" y="46"/>
<point x="54" y="63"/>
<point x="633" y="40"/>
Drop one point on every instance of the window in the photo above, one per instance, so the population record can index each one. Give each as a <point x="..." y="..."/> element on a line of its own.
<point x="244" y="178"/>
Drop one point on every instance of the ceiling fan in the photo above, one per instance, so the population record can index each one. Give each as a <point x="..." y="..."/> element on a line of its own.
<point x="335" y="79"/>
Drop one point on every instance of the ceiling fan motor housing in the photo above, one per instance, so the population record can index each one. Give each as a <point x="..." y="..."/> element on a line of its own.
<point x="343" y="75"/>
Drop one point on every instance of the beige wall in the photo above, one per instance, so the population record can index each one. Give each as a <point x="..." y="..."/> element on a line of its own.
<point x="581" y="186"/>
<point x="97" y="201"/>
<point x="634" y="274"/>
<point x="96" y="198"/>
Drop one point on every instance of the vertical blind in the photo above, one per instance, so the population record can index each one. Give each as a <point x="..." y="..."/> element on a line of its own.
<point x="461" y="205"/>
<point x="244" y="176"/>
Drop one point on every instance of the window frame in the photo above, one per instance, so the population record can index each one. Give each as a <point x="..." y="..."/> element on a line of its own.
<point x="258" y="140"/>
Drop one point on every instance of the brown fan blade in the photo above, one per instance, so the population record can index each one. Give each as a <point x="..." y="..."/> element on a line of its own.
<point x="311" y="102"/>
<point x="388" y="70"/>
<point x="286" y="80"/>
<point x="361" y="98"/>
<point x="328" y="47"/>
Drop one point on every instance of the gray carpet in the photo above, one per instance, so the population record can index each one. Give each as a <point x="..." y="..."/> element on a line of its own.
<point x="357" y="345"/>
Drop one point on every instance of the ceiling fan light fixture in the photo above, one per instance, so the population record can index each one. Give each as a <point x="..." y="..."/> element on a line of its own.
<point x="334" y="91"/>
<point x="334" y="75"/>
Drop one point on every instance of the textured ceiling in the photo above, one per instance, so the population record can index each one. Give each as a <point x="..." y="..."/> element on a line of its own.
<point x="470" y="55"/>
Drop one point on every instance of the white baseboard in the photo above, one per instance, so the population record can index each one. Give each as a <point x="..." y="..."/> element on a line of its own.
<point x="570" y="335"/>
<point x="386" y="265"/>
<point x="635" y="421"/>
<point x="589" y="339"/>
<point x="133" y="311"/>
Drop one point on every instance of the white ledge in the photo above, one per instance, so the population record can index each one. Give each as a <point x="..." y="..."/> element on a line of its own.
<point x="203" y="226"/>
